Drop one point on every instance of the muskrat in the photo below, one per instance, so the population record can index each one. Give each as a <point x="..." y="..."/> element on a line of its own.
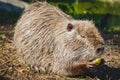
<point x="53" y="41"/>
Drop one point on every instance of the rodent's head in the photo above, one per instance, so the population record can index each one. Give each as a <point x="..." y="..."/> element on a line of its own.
<point x="78" y="41"/>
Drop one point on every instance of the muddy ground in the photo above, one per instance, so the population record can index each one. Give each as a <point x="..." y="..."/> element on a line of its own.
<point x="13" y="69"/>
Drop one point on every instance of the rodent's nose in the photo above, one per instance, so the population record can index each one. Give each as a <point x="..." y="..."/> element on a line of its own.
<point x="100" y="50"/>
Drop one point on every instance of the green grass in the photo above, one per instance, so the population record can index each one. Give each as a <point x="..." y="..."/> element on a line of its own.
<point x="94" y="10"/>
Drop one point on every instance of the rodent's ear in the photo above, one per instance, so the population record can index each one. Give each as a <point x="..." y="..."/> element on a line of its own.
<point x="69" y="27"/>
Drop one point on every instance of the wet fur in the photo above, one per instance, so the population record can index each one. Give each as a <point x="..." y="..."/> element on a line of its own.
<point x="41" y="39"/>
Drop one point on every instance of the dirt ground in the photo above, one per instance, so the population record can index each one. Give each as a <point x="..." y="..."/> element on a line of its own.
<point x="13" y="69"/>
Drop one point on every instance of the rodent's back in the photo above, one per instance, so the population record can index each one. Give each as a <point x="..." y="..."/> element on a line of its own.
<point x="34" y="32"/>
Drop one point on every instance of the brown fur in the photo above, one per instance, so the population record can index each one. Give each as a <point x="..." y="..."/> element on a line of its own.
<point x="42" y="40"/>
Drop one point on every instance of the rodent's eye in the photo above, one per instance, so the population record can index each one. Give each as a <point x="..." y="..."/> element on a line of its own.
<point x="69" y="27"/>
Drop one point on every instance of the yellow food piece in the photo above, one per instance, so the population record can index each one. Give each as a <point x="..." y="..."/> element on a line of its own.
<point x="97" y="61"/>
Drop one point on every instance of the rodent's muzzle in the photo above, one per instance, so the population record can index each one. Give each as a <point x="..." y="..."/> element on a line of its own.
<point x="100" y="50"/>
